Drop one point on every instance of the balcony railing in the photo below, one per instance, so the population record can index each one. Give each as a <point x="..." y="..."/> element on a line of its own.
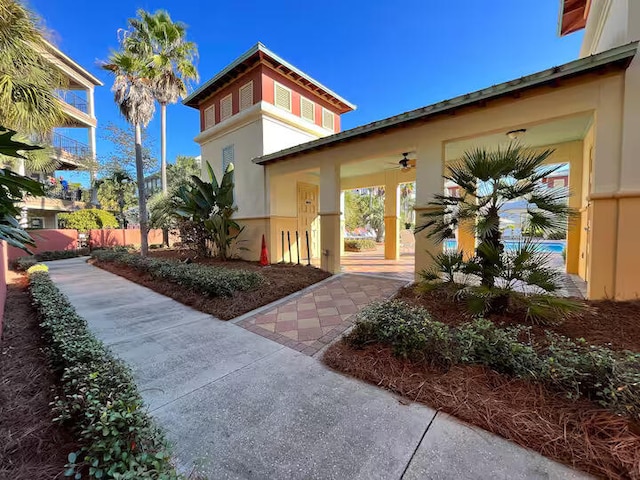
<point x="56" y="191"/>
<point x="69" y="146"/>
<point x="74" y="100"/>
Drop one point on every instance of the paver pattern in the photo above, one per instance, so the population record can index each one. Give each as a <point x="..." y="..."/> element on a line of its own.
<point x="314" y="319"/>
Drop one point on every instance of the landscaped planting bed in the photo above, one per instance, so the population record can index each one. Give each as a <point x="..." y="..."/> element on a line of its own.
<point x="571" y="401"/>
<point x="277" y="281"/>
<point x="32" y="445"/>
<point x="98" y="399"/>
<point x="359" y="244"/>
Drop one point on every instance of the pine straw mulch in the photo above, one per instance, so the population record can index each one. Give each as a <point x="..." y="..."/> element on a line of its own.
<point x="604" y="322"/>
<point x="31" y="445"/>
<point x="577" y="433"/>
<point x="282" y="280"/>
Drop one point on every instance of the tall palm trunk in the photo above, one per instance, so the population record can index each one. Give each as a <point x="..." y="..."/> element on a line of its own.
<point x="163" y="146"/>
<point x="142" y="199"/>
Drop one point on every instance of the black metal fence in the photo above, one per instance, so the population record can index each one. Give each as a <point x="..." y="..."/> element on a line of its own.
<point x="296" y="237"/>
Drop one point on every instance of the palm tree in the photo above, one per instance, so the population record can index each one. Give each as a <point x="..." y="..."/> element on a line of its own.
<point x="134" y="96"/>
<point x="28" y="81"/>
<point x="170" y="58"/>
<point x="488" y="180"/>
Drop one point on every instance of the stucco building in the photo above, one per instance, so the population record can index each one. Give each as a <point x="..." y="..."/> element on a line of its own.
<point x="73" y="145"/>
<point x="291" y="167"/>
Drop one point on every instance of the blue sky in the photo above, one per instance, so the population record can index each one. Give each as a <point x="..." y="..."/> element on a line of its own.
<point x="385" y="56"/>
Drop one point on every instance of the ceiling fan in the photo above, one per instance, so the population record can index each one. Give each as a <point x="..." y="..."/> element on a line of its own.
<point x="405" y="164"/>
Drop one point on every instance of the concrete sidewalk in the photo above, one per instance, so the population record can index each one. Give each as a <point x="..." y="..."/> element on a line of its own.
<point x="240" y="406"/>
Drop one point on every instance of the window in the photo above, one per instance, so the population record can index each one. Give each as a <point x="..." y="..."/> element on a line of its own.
<point x="209" y="116"/>
<point x="307" y="109"/>
<point x="226" y="107"/>
<point x="327" y="119"/>
<point x="228" y="155"/>
<point x="282" y="97"/>
<point x="558" y="182"/>
<point x="246" y="96"/>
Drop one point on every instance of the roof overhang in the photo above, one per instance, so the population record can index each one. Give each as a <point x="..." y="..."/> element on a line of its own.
<point x="259" y="54"/>
<point x="573" y="16"/>
<point x="617" y="58"/>
<point x="64" y="58"/>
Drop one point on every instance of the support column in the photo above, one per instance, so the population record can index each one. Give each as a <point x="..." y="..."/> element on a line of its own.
<point x="391" y="215"/>
<point x="574" y="229"/>
<point x="93" y="172"/>
<point x="342" y="223"/>
<point x="429" y="181"/>
<point x="467" y="238"/>
<point x="330" y="217"/>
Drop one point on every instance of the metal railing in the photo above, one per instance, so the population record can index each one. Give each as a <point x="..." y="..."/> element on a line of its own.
<point x="74" y="100"/>
<point x="69" y="146"/>
<point x="56" y="191"/>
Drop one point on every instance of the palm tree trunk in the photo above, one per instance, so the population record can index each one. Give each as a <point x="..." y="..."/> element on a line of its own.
<point x="142" y="199"/>
<point x="163" y="146"/>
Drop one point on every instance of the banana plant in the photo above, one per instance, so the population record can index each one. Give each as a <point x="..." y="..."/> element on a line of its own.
<point x="211" y="205"/>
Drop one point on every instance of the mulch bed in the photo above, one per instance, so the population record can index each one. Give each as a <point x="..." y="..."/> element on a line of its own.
<point x="577" y="433"/>
<point x="31" y="445"/>
<point x="604" y="322"/>
<point x="282" y="280"/>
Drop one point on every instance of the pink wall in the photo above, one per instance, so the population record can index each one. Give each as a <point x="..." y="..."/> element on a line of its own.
<point x="48" y="241"/>
<point x="121" y="237"/>
<point x="4" y="266"/>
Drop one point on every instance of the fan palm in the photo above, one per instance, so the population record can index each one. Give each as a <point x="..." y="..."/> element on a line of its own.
<point x="488" y="180"/>
<point x="134" y="97"/>
<point x="170" y="58"/>
<point x="28" y="80"/>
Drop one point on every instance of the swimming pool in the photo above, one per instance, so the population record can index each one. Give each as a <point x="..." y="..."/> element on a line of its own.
<point x="551" y="246"/>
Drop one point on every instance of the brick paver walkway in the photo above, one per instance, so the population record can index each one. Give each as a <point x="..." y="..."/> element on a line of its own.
<point x="313" y="319"/>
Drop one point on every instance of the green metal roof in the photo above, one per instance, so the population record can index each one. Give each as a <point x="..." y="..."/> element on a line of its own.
<point x="204" y="90"/>
<point x="618" y="57"/>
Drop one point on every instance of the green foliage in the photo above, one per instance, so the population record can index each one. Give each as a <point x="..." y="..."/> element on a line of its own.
<point x="489" y="180"/>
<point x="28" y="79"/>
<point x="22" y="264"/>
<point x="89" y="219"/>
<point x="98" y="400"/>
<point x="212" y="281"/>
<point x="122" y="157"/>
<point x="572" y="367"/>
<point x="208" y="207"/>
<point x="13" y="188"/>
<point x="117" y="191"/>
<point x="359" y="244"/>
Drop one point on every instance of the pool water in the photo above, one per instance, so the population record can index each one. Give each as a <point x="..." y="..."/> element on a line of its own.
<point x="551" y="246"/>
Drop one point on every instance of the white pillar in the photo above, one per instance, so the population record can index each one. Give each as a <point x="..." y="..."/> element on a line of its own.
<point x="342" y="222"/>
<point x="429" y="181"/>
<point x="93" y="171"/>
<point x="330" y="216"/>
<point x="391" y="215"/>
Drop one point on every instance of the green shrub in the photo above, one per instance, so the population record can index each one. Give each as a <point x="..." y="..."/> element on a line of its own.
<point x="98" y="399"/>
<point x="559" y="235"/>
<point x="22" y="264"/>
<point x="359" y="244"/>
<point x="89" y="219"/>
<point x="572" y="367"/>
<point x="213" y="281"/>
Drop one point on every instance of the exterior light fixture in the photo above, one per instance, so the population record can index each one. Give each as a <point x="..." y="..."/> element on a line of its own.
<point x="516" y="134"/>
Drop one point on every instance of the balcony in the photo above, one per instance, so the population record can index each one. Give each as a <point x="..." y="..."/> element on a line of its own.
<point x="76" y="109"/>
<point x="69" y="151"/>
<point x="57" y="199"/>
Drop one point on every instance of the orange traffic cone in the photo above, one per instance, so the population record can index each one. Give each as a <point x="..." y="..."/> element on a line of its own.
<point x="264" y="255"/>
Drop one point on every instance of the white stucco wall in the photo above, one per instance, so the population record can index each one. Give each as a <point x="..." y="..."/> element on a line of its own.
<point x="279" y="135"/>
<point x="249" y="178"/>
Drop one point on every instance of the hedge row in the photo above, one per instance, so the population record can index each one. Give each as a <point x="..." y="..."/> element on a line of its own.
<point x="21" y="264"/>
<point x="609" y="377"/>
<point x="212" y="281"/>
<point x="98" y="400"/>
<point x="359" y="244"/>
